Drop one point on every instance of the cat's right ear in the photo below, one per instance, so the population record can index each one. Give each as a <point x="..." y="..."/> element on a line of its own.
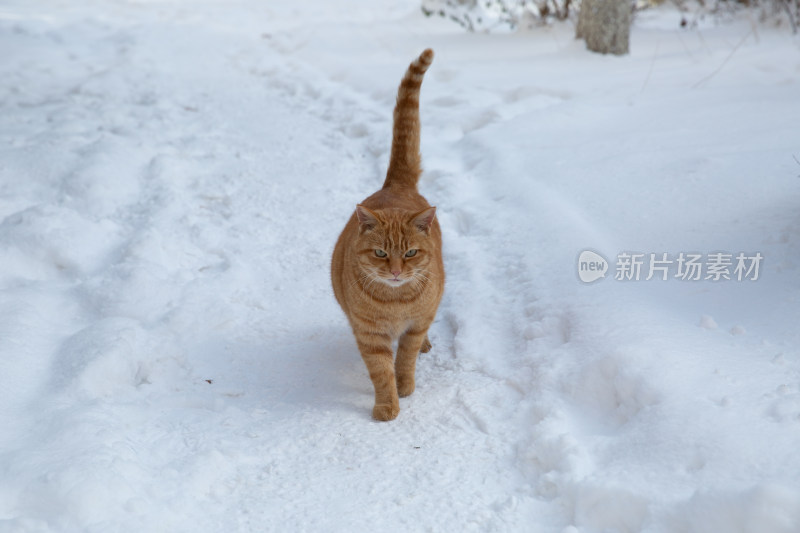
<point x="367" y="220"/>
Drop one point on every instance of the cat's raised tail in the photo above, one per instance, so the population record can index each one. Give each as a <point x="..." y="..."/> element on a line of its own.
<point x="405" y="165"/>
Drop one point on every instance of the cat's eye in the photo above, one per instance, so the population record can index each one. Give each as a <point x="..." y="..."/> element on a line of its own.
<point x="411" y="253"/>
<point x="380" y="253"/>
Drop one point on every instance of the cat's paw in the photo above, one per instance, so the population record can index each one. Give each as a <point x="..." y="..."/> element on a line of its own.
<point x="426" y="347"/>
<point x="385" y="412"/>
<point x="405" y="387"/>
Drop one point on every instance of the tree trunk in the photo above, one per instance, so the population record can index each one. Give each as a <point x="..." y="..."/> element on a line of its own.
<point x="605" y="25"/>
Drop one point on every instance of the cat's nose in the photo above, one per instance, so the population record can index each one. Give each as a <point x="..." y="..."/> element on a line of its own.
<point x="396" y="272"/>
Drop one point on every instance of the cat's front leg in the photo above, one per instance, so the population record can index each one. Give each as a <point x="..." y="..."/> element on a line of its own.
<point x="408" y="348"/>
<point x="376" y="350"/>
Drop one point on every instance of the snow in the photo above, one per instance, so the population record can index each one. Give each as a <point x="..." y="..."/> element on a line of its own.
<point x="173" y="176"/>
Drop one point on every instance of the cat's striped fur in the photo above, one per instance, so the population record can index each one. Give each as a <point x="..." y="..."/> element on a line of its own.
<point x="387" y="269"/>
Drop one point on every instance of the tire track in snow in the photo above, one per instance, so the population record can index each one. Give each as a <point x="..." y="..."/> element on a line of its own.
<point x="179" y="257"/>
<point x="537" y="344"/>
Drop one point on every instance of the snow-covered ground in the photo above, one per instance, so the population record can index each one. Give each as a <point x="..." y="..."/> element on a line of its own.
<point x="173" y="176"/>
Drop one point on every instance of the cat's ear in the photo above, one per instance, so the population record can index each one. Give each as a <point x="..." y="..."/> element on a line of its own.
<point x="423" y="220"/>
<point x="367" y="220"/>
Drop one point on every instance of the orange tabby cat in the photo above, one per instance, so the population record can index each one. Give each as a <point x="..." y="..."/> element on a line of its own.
<point x="387" y="269"/>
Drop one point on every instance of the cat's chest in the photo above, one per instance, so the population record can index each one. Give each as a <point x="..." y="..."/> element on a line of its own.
<point x="400" y="327"/>
<point x="392" y="318"/>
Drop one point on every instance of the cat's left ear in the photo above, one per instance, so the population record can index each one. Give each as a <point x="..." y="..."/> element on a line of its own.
<point x="423" y="220"/>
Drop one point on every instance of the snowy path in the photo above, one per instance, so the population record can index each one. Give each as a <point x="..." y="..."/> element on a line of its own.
<point x="172" y="181"/>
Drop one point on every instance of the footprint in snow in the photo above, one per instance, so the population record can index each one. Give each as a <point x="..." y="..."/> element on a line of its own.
<point x="528" y="93"/>
<point x="104" y="359"/>
<point x="447" y="101"/>
<point x="356" y="131"/>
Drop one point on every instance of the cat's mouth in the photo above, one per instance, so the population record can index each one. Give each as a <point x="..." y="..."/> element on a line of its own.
<point x="394" y="282"/>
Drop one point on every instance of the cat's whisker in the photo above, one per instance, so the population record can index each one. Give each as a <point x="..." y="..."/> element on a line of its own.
<point x="420" y="277"/>
<point x="421" y="274"/>
<point x="357" y="280"/>
<point x="373" y="277"/>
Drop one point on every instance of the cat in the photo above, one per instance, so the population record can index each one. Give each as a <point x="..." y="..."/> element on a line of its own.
<point x="387" y="270"/>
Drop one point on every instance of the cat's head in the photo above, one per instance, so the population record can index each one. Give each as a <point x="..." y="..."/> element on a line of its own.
<point x="394" y="246"/>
